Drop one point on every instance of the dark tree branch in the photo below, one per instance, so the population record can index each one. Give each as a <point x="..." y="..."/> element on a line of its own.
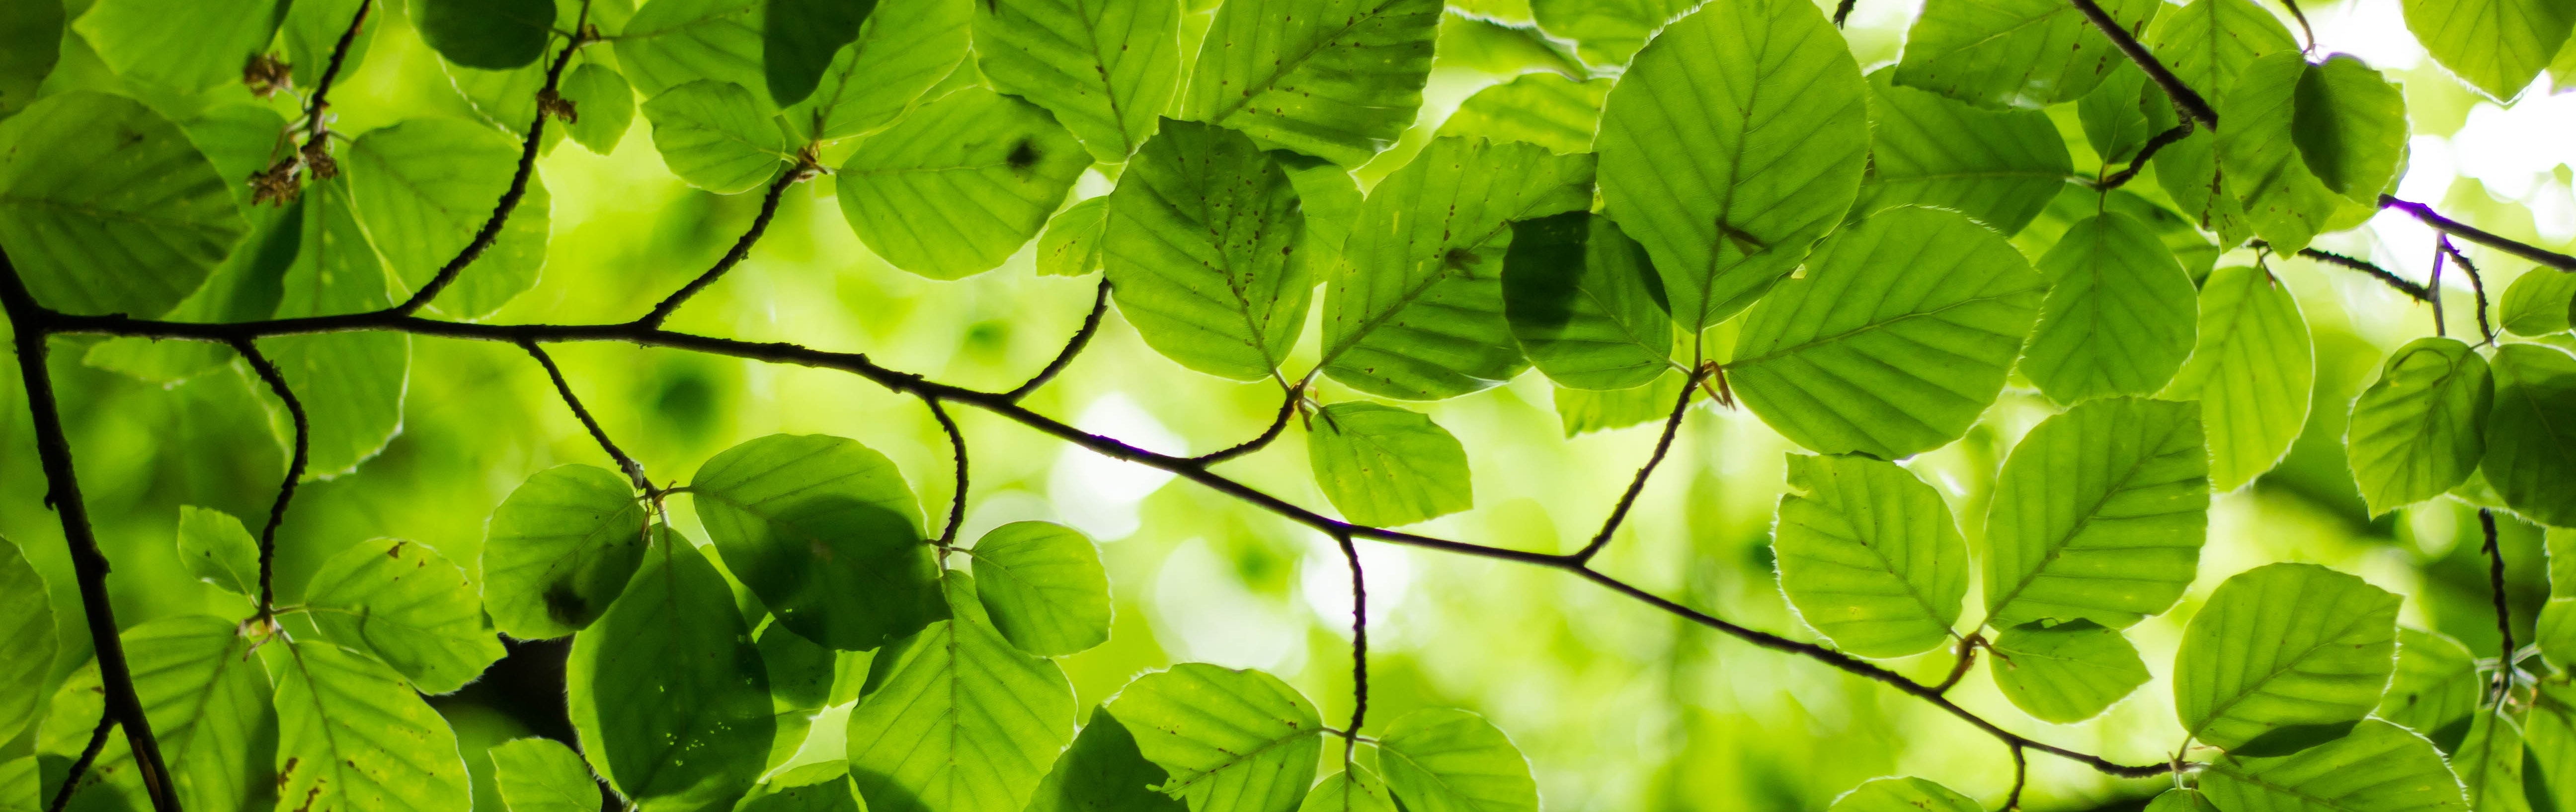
<point x="957" y="451"/>
<point x="2185" y="97"/>
<point x="1359" y="646"/>
<point x="2158" y="142"/>
<point x="2304" y="28"/>
<point x="2464" y="231"/>
<point x="1619" y="513"/>
<point x="2433" y="290"/>
<point x="741" y="247"/>
<point x="1287" y="408"/>
<point x="2399" y="283"/>
<point x="491" y="230"/>
<point x="2021" y="778"/>
<point x="1967" y="657"/>
<point x="294" y="468"/>
<point x="2504" y="613"/>
<point x="80" y="766"/>
<point x="1081" y="338"/>
<point x="2477" y="284"/>
<point x="330" y="72"/>
<point x="1842" y="11"/>
<point x="633" y="470"/>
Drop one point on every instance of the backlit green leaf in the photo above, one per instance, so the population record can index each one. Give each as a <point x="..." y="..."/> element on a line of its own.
<point x="670" y="670"/>
<point x="410" y="607"/>
<point x="1584" y="302"/>
<point x="2495" y="46"/>
<point x="351" y="384"/>
<point x="1447" y="760"/>
<point x="1356" y="789"/>
<point x="2208" y="44"/>
<point x="962" y="721"/>
<point x="1998" y="166"/>
<point x="352" y="737"/>
<point x="2550" y="739"/>
<point x="27" y="636"/>
<point x="2119" y="317"/>
<point x="2283" y="647"/>
<point x="961" y="184"/>
<point x="1104" y="68"/>
<point x="2313" y="139"/>
<point x="670" y="43"/>
<point x="2531" y="434"/>
<point x="542" y="775"/>
<point x="312" y="31"/>
<point x="1608" y="32"/>
<point x="1336" y="79"/>
<point x="1903" y="795"/>
<point x="714" y="135"/>
<point x="105" y="207"/>
<point x="31" y="36"/>
<point x="2436" y="687"/>
<point x="603" y="104"/>
<point x="1897" y="335"/>
<point x="1200" y="248"/>
<point x="1580" y="411"/>
<point x="1869" y="555"/>
<point x="486" y="34"/>
<point x="2421" y="428"/>
<point x="425" y="186"/>
<point x="832" y="793"/>
<point x="1103" y="772"/>
<point x="1383" y="466"/>
<point x="2067" y="672"/>
<point x="1043" y="585"/>
<point x="2378" y="767"/>
<point x="2490" y="764"/>
<point x="904" y="48"/>
<point x="2013" y="53"/>
<point x="798" y="39"/>
<point x="2123" y="113"/>
<point x="1690" y="164"/>
<point x="186" y="45"/>
<point x="216" y="549"/>
<point x="2541" y="301"/>
<point x="559" y="549"/>
<point x="2099" y="514"/>
<point x="1546" y="109"/>
<point x="2181" y="800"/>
<point x="825" y="531"/>
<point x="2250" y="369"/>
<point x="208" y="700"/>
<point x="1072" y="242"/>
<point x="1233" y="741"/>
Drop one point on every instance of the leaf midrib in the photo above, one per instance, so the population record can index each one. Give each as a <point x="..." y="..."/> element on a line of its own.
<point x="2220" y="710"/>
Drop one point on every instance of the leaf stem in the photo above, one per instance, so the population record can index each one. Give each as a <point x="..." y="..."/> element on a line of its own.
<point x="2160" y="141"/>
<point x="294" y="469"/>
<point x="1287" y="408"/>
<point x="322" y="88"/>
<point x="2433" y="289"/>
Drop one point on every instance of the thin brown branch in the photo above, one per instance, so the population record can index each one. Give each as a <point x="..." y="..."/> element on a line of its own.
<point x="2183" y="96"/>
<point x="2021" y="778"/>
<point x="80" y="767"/>
<point x="2477" y="284"/>
<point x="741" y="247"/>
<point x="1287" y="408"/>
<point x="320" y="101"/>
<point x="2503" y="611"/>
<point x="633" y="470"/>
<point x="491" y="230"/>
<point x="2158" y="142"/>
<point x="2310" y="32"/>
<point x="1842" y="11"/>
<point x="1663" y="444"/>
<point x="1967" y="657"/>
<point x="957" y="452"/>
<point x="2398" y="283"/>
<point x="276" y="381"/>
<point x="1081" y="339"/>
<point x="2464" y="231"/>
<point x="2433" y="290"/>
<point x="1359" y="646"/>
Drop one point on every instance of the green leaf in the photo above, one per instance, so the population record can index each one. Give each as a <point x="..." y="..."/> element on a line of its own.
<point x="962" y="721"/>
<point x="185" y="45"/>
<point x="2250" y="369"/>
<point x="2350" y="127"/>
<point x="904" y="48"/>
<point x="1415" y="310"/>
<point x="2540" y="302"/>
<point x="31" y="37"/>
<point x="2283" y="646"/>
<point x="1104" y="772"/>
<point x="669" y="670"/>
<point x="410" y="607"/>
<point x="27" y="636"/>
<point x="312" y="31"/>
<point x="1869" y="555"/>
<point x="961" y="184"/>
<point x="2067" y="672"/>
<point x="1902" y="795"/>
<point x="2420" y="429"/>
<point x="603" y="106"/>
<point x="1383" y="466"/>
<point x="351" y="384"/>
<point x="2118" y="319"/>
<point x="1546" y="109"/>
<point x="1607" y="32"/>
<point x="1200" y="251"/>
<point x="2378" y="767"/>
<point x="1355" y="789"/>
<point x="1897" y="335"/>
<point x="833" y="793"/>
<point x="2490" y="764"/>
<point x="1336" y="79"/>
<point x="2494" y="46"/>
<point x="800" y="671"/>
<point x="1233" y="741"/>
<point x="2209" y="43"/>
<point x="505" y="99"/>
<point x="799" y="38"/>
<point x="2181" y="800"/>
<point x="105" y="207"/>
<point x="425" y="186"/>
<point x="559" y="549"/>
<point x="2013" y="53"/>
<point x="2550" y="739"/>
<point x="2122" y="113"/>
<point x="1447" y="760"/>
<point x="1044" y="587"/>
<point x="1584" y="410"/>
<point x="1584" y="302"/>
<point x="2314" y="140"/>
<point x="2531" y="434"/>
<point x="1104" y="69"/>
<point x="352" y="737"/>
<point x="1071" y="245"/>
<point x="2436" y="687"/>
<point x="2099" y="514"/>
<point x="670" y="43"/>
<point x="2076" y="202"/>
<point x="208" y="701"/>
<point x="542" y="775"/>
<point x="715" y="136"/>
<point x="2001" y="167"/>
<point x="1330" y="198"/>
<point x="825" y="531"/>
<point x="1689" y="166"/>
<point x="486" y="34"/>
<point x="216" y="549"/>
<point x="1474" y="40"/>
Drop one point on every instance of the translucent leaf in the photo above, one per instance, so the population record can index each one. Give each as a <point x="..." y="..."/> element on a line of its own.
<point x="2075" y="203"/>
<point x="798" y="39"/>
<point x="185" y="45"/>
<point x="2436" y="687"/>
<point x="27" y="636"/>
<point x="2067" y="672"/>
<point x="2208" y="44"/>
<point x="2540" y="302"/>
<point x="2013" y="53"/>
<point x="1072" y="242"/>
<point x="2181" y="800"/>
<point x="2494" y="46"/>
<point x="351" y="384"/>
<point x="105" y="206"/>
<point x="833" y="793"/>
<point x="904" y="48"/>
<point x="1897" y="335"/>
<point x="1104" y="69"/>
<point x="962" y="721"/>
<point x="1584" y="302"/>
<point x="1103" y="772"/>
<point x="1383" y="466"/>
<point x="486" y="34"/>
<point x="506" y="99"/>
<point x="961" y="184"/>
<point x="825" y="531"/>
<point x="312" y="31"/>
<point x="1447" y="760"/>
<point x="2350" y="128"/>
<point x="559" y="549"/>
<point x="1336" y="79"/>
<point x="2283" y="648"/>
<point x="1043" y="585"/>
<point x="2099" y="514"/>
<point x="2378" y="767"/>
<point x="671" y="669"/>
<point x="2531" y="434"/>
<point x="2420" y="429"/>
<point x="425" y="186"/>
<point x="714" y="135"/>
<point x="1689" y="167"/>
<point x="31" y="36"/>
<point x="217" y="550"/>
<point x="1869" y="555"/>
<point x="542" y="775"/>
<point x="603" y="106"/>
<point x="2001" y="167"/>
<point x="2119" y="317"/>
<point x="1902" y="795"/>
<point x="1200" y="251"/>
<point x="670" y="43"/>
<point x="2550" y="741"/>
<point x="1583" y="410"/>
<point x="1233" y="741"/>
<point x="2123" y="113"/>
<point x="1486" y="44"/>
<point x="410" y="607"/>
<point x="238" y="139"/>
<point x="2250" y="368"/>
<point x="208" y="701"/>
<point x="1355" y="789"/>
<point x="352" y="737"/>
<point x="1608" y="32"/>
<point x="1546" y="109"/>
<point x="1330" y="198"/>
<point x="2490" y="764"/>
<point x="1416" y="309"/>
<point x="2315" y="139"/>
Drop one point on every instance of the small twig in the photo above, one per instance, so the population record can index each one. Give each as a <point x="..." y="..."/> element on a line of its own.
<point x="2160" y="141"/>
<point x="957" y="451"/>
<point x="2504" y="614"/>
<point x="1842" y="11"/>
<point x="80" y="766"/>
<point x="322" y="88"/>
<point x="2463" y="231"/>
<point x="1064" y="358"/>
<point x="2304" y="28"/>
<point x="276" y="381"/>
<point x="1287" y="408"/>
<point x="741" y="247"/>
<point x="633" y="470"/>
<point x="2477" y="284"/>
<point x="2021" y="778"/>
<point x="1359" y="647"/>
<point x="2433" y="290"/>
<point x="491" y="230"/>
<point x="2185" y="97"/>
<point x="1967" y="657"/>
<point x="1663" y="444"/>
<point x="2399" y="283"/>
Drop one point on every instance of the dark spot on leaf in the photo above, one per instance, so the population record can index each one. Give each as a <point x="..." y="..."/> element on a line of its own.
<point x="1023" y="155"/>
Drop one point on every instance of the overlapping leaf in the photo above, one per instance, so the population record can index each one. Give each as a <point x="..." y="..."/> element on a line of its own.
<point x="2310" y="141"/>
<point x="2284" y="648"/>
<point x="715" y="136"/>
<point x="105" y="207"/>
<point x="27" y="636"/>
<point x="669" y="697"/>
<point x="559" y="549"/>
<point x="486" y="34"/>
<point x="669" y="43"/>
<point x="2436" y="687"/>
<point x="1580" y="411"/>
<point x="2119" y="317"/>
<point x="825" y="531"/>
<point x="218" y="550"/>
<point x="962" y="721"/>
<point x="2421" y="428"/>
<point x="2013" y="53"/>
<point x="960" y="184"/>
<point x="603" y="103"/>
<point x="1869" y="555"/>
<point x="2067" y="672"/>
<point x="186" y="45"/>
<point x="2495" y="46"/>
<point x="2540" y="302"/>
<point x="1072" y="242"/>
<point x="1102" y="772"/>
<point x="1104" y="68"/>
<point x="1584" y="302"/>
<point x="1383" y="466"/>
<point x="1607" y="32"/>
<point x="1447" y="760"/>
<point x="410" y="607"/>
<point x="542" y="775"/>
<point x="1356" y="789"/>
<point x="2378" y="767"/>
<point x="1337" y="79"/>
<point x="353" y="737"/>
<point x="2099" y="515"/>
<point x="351" y="384"/>
<point x="1903" y="795"/>
<point x="1200" y="249"/>
<point x="904" y="48"/>
<point x="1232" y="741"/>
<point x="2531" y="434"/>
<point x="798" y="39"/>
<point x="2208" y="44"/>
<point x="1999" y="166"/>
<point x="1044" y="588"/>
<point x="1546" y="109"/>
